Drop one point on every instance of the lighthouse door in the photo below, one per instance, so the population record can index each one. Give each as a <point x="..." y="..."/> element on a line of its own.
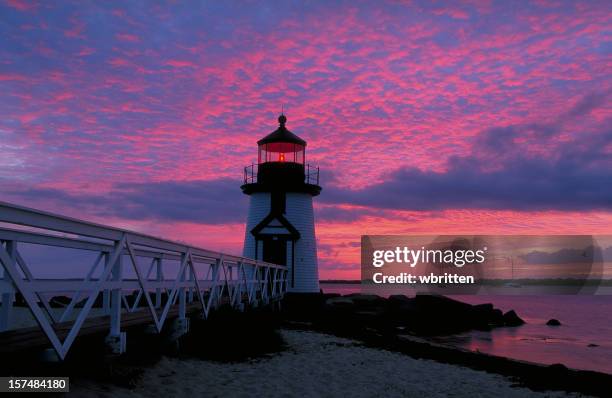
<point x="275" y="250"/>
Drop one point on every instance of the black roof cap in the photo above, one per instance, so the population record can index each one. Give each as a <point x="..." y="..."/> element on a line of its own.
<point x="281" y="134"/>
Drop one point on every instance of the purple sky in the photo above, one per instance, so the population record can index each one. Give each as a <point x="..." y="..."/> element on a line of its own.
<point x="429" y="117"/>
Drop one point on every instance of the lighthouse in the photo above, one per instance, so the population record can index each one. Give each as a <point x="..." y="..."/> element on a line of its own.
<point x="280" y="225"/>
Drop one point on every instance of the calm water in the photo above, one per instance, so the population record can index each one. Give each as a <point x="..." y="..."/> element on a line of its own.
<point x="585" y="320"/>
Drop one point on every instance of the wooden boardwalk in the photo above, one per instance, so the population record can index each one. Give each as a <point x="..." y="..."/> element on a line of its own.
<point x="17" y="340"/>
<point x="169" y="279"/>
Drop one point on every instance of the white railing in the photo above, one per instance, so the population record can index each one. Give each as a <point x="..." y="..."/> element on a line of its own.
<point x="203" y="278"/>
<point x="311" y="173"/>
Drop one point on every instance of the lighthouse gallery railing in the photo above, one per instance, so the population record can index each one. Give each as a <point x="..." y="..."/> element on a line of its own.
<point x="201" y="278"/>
<point x="311" y="174"/>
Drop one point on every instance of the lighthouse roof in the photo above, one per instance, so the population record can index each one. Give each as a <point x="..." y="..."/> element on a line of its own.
<point x="281" y="134"/>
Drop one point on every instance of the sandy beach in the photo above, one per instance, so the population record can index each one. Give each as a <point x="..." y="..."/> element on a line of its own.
<point x="315" y="365"/>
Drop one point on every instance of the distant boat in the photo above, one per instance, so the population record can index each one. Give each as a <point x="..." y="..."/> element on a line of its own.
<point x="512" y="283"/>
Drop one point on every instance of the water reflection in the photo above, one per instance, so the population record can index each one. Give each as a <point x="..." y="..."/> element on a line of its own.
<point x="583" y="341"/>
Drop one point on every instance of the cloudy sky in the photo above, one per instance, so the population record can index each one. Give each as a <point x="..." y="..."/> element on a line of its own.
<point x="428" y="117"/>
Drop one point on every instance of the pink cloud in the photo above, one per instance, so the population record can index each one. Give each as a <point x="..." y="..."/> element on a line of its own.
<point x="127" y="37"/>
<point x="180" y="63"/>
<point x="85" y="51"/>
<point x="12" y="77"/>
<point x="77" y="29"/>
<point x="21" y="5"/>
<point x="453" y="13"/>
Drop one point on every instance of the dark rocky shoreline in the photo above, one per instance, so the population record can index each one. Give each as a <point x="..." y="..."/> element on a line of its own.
<point x="403" y="324"/>
<point x="424" y="314"/>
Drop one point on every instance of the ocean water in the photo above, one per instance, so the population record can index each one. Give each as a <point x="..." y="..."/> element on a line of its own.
<point x="583" y="341"/>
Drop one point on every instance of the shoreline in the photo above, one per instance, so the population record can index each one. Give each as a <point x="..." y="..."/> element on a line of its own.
<point x="317" y="364"/>
<point x="407" y="325"/>
<point x="535" y="376"/>
<point x="582" y="341"/>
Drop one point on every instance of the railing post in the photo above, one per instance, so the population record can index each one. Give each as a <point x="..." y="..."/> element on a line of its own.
<point x="285" y="281"/>
<point x="215" y="293"/>
<point x="230" y="282"/>
<point x="250" y="284"/>
<point x="106" y="291"/>
<point x="7" y="298"/>
<point x="116" y="339"/>
<point x="115" y="304"/>
<point x="191" y="288"/>
<point x="182" y="294"/>
<point x="181" y="324"/>
<point x="159" y="278"/>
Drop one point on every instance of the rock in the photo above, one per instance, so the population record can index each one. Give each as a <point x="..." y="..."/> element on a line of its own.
<point x="553" y="322"/>
<point x="366" y="300"/>
<point x="340" y="302"/>
<point x="305" y="306"/>
<point x="425" y="314"/>
<point x="399" y="310"/>
<point x="512" y="319"/>
<point x="399" y="299"/>
<point x="557" y="368"/>
<point x="497" y="318"/>
<point x="59" y="301"/>
<point x="19" y="300"/>
<point x="81" y="303"/>
<point x="484" y="308"/>
<point x="593" y="345"/>
<point x="400" y="304"/>
<point x="441" y="304"/>
<point x="362" y="295"/>
<point x="330" y="295"/>
<point x="435" y="315"/>
<point x="486" y="315"/>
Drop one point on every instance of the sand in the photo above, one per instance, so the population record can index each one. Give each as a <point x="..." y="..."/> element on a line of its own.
<point x="316" y="365"/>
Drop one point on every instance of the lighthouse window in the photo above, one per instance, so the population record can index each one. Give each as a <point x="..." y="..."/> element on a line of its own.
<point x="299" y="154"/>
<point x="281" y="152"/>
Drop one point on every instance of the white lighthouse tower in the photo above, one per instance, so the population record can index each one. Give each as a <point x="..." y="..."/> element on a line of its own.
<point x="280" y="226"/>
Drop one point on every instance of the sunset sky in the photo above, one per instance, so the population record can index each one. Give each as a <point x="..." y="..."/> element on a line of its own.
<point x="427" y="117"/>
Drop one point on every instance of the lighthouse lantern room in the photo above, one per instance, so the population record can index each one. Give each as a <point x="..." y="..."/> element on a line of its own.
<point x="280" y="225"/>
